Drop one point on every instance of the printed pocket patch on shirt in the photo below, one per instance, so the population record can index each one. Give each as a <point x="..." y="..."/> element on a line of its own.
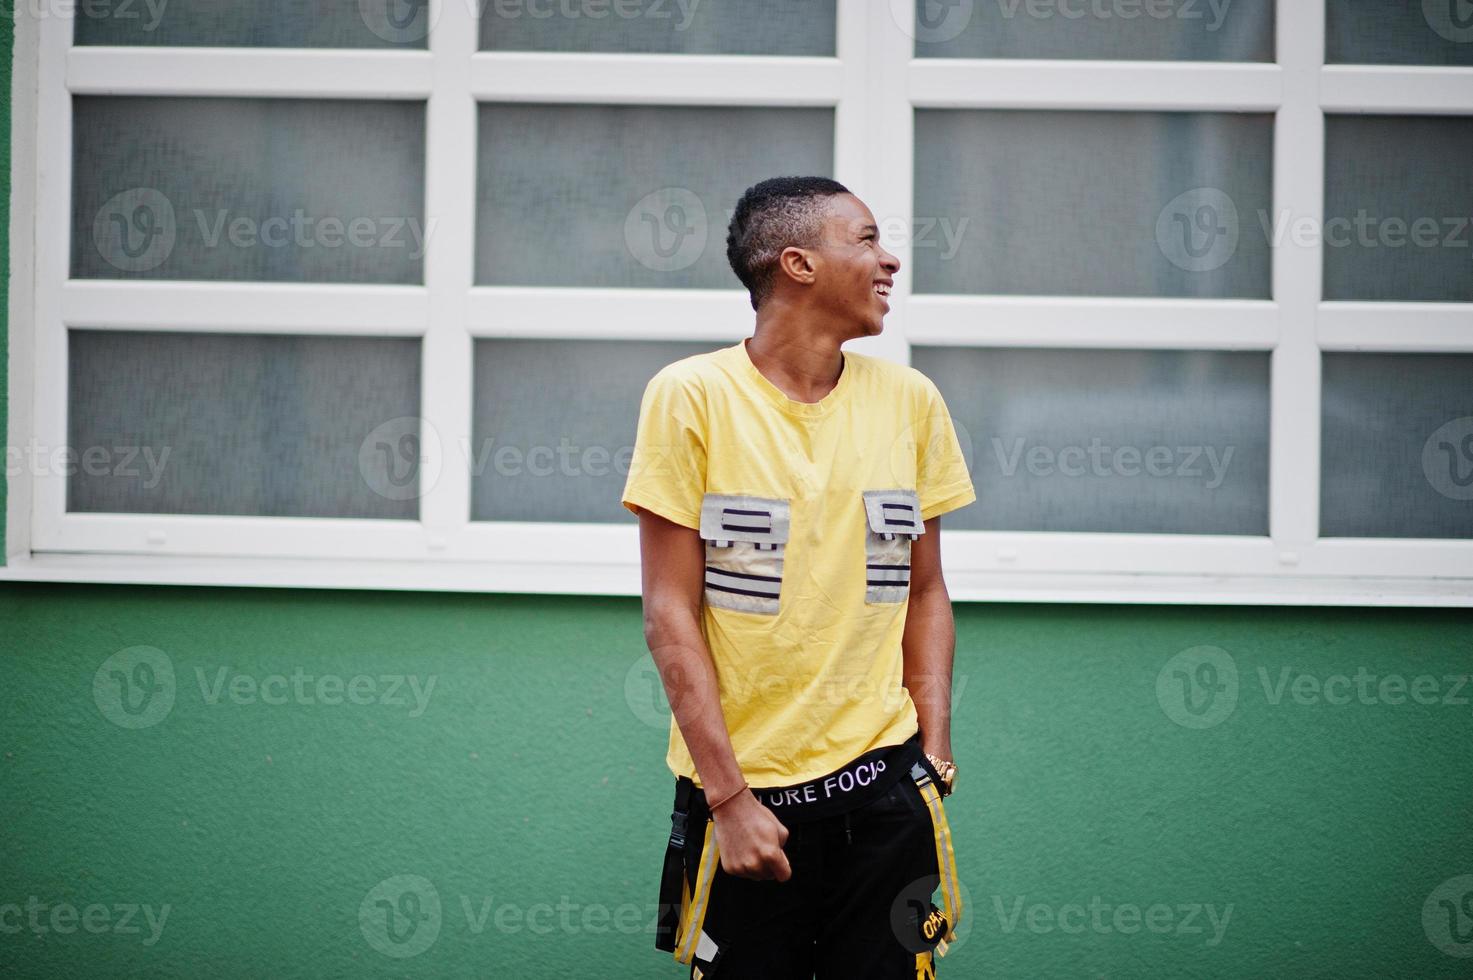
<point x="745" y="539"/>
<point x="892" y="522"/>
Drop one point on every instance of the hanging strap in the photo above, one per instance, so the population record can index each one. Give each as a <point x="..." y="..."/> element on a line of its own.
<point x="951" y="892"/>
<point x="674" y="890"/>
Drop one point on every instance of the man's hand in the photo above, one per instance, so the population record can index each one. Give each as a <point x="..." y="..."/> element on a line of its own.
<point x="750" y="839"/>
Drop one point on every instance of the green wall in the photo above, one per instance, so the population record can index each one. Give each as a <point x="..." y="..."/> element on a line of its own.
<point x="214" y="833"/>
<point x="532" y="772"/>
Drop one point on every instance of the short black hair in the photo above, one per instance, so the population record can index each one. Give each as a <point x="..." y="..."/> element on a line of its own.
<point x="771" y="216"/>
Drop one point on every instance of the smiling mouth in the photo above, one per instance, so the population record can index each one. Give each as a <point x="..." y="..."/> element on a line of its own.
<point x="882" y="290"/>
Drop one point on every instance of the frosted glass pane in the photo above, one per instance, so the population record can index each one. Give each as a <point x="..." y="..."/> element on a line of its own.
<point x="1413" y="32"/>
<point x="554" y="425"/>
<point x="1396" y="452"/>
<point x="592" y="195"/>
<point x="1125" y="30"/>
<point x="270" y="426"/>
<point x="1171" y="442"/>
<point x="279" y="190"/>
<point x="1092" y="203"/>
<point x="254" y="23"/>
<point x="766" y="27"/>
<point x="1398" y="205"/>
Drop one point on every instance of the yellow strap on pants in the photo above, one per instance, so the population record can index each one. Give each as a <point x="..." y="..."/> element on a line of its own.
<point x="693" y="906"/>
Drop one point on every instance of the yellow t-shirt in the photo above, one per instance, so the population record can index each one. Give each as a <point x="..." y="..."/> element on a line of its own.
<point x="808" y="511"/>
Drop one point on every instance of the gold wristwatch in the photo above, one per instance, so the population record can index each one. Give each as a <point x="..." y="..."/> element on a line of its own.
<point x="946" y="770"/>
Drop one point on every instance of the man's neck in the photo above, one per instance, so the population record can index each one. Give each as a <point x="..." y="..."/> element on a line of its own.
<point x="803" y="367"/>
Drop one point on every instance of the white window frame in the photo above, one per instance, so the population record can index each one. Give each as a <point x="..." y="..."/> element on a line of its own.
<point x="874" y="84"/>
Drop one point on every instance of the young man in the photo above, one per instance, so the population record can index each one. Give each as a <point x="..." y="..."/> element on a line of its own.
<point x="789" y="496"/>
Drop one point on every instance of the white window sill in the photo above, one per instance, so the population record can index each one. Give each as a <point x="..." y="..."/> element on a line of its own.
<point x="623" y="579"/>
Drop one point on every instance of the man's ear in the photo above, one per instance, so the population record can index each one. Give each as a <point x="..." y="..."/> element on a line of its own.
<point x="797" y="264"/>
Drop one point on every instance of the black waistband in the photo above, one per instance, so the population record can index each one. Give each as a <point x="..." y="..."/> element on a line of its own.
<point x="857" y="782"/>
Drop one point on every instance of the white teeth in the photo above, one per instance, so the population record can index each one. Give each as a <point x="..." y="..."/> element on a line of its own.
<point x="882" y="289"/>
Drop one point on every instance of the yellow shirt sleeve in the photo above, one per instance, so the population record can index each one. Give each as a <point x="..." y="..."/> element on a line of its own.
<point x="943" y="482"/>
<point x="667" y="473"/>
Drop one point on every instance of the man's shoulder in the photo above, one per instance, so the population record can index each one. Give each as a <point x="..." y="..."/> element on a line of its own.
<point x="695" y="372"/>
<point x="892" y="374"/>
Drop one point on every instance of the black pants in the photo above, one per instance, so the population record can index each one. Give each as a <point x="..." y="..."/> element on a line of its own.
<point x="858" y="904"/>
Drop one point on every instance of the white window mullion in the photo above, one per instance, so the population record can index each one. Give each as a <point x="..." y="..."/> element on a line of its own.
<point x="323" y="73"/>
<point x="53" y="265"/>
<point x="1017" y="83"/>
<point x="651" y="79"/>
<point x="1397" y="89"/>
<point x="1299" y="175"/>
<point x="450" y="210"/>
<point x="876" y="103"/>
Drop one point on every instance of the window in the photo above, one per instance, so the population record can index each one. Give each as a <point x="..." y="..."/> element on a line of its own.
<point x="368" y="296"/>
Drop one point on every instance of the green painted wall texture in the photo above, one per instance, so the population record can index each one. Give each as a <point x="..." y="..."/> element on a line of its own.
<point x="1145" y="791"/>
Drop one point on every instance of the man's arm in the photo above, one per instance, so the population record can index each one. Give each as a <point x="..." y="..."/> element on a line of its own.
<point x="929" y="643"/>
<point x="673" y="559"/>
